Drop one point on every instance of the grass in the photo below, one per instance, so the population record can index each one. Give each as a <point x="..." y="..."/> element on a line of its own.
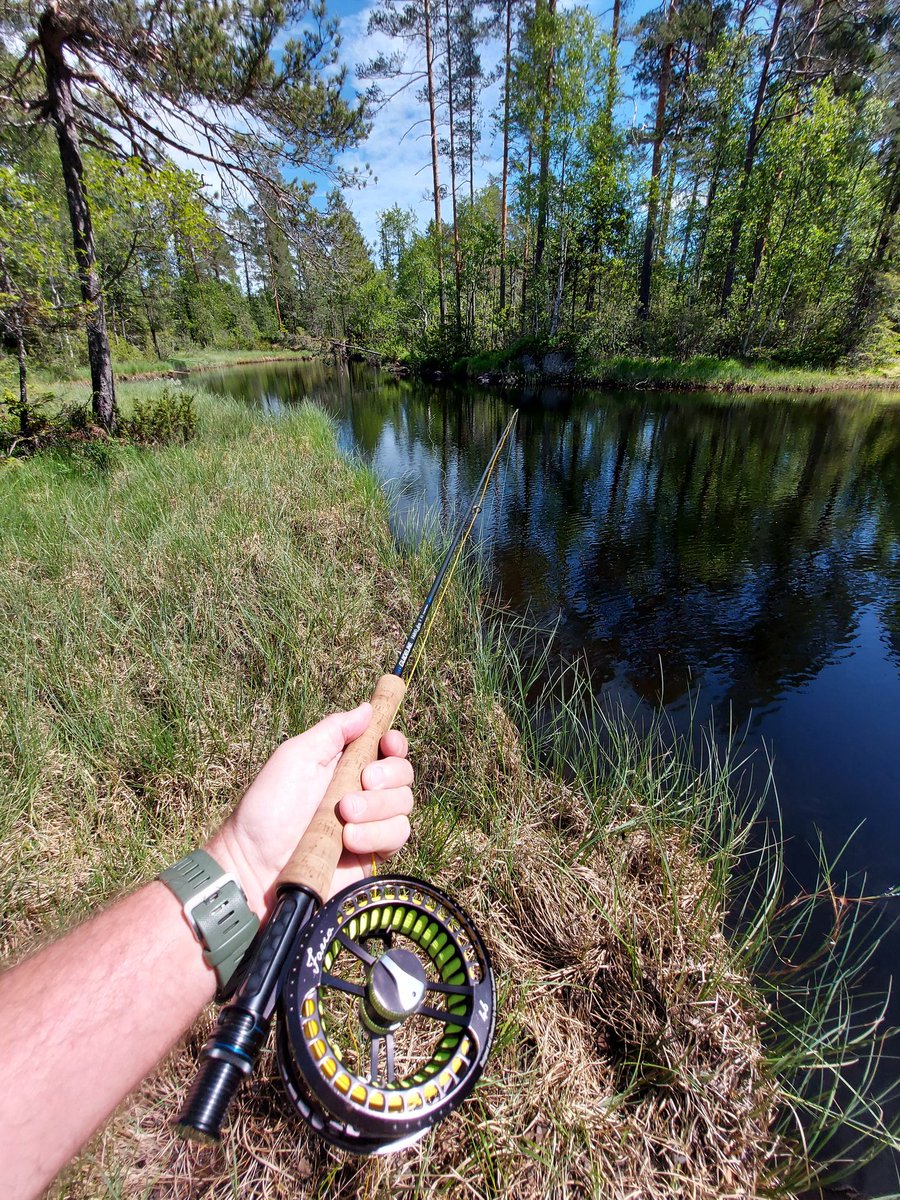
<point x="716" y="374"/>
<point x="170" y="615"/>
<point x="130" y="364"/>
<point x="201" y="359"/>
<point x="699" y="373"/>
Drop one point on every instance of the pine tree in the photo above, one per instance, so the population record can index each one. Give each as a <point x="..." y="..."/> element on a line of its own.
<point x="194" y="76"/>
<point x="665" y="36"/>
<point x="415" y="24"/>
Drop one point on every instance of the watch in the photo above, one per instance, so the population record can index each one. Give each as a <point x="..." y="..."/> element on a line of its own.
<point x="216" y="909"/>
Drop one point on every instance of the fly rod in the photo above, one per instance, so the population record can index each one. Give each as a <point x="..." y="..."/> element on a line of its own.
<point x="385" y="994"/>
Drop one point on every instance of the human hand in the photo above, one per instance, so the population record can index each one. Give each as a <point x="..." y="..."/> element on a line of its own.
<point x="261" y="834"/>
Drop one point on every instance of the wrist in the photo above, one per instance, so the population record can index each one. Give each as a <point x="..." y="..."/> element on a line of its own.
<point x="226" y="849"/>
<point x="216" y="908"/>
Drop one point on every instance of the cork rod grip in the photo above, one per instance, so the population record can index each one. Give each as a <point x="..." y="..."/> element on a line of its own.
<point x="313" y="862"/>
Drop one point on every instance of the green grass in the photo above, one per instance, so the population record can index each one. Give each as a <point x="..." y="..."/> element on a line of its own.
<point x="49" y="390"/>
<point x="700" y="373"/>
<point x="716" y="374"/>
<point x="200" y="359"/>
<point x="169" y="615"/>
<point x="72" y="384"/>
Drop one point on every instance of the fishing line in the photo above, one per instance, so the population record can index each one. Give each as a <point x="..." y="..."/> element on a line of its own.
<point x="419" y="637"/>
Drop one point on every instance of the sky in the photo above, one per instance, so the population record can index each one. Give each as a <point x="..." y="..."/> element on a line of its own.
<point x="398" y="148"/>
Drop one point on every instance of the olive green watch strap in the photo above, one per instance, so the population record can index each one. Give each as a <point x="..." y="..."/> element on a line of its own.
<point x="216" y="909"/>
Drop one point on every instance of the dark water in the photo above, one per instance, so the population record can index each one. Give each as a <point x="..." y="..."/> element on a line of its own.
<point x="740" y="557"/>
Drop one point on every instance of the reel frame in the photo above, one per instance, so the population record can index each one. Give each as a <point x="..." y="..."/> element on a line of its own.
<point x="376" y="1103"/>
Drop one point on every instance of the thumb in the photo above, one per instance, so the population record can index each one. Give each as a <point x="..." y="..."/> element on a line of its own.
<point x="329" y="737"/>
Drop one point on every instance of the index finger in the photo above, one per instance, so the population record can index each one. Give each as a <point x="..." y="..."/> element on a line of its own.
<point x="394" y="745"/>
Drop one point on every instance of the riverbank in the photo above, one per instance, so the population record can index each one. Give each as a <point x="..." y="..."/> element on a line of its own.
<point x="169" y="615"/>
<point x="511" y="369"/>
<point x="43" y="381"/>
<point x="192" y="364"/>
<point x="665" y="374"/>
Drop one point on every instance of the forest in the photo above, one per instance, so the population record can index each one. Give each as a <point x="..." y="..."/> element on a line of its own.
<point x="707" y="178"/>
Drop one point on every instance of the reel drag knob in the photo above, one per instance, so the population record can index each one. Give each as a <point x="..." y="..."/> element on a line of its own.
<point x="395" y="990"/>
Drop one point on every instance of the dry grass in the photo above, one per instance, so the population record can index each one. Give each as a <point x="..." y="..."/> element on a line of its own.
<point x="168" y="620"/>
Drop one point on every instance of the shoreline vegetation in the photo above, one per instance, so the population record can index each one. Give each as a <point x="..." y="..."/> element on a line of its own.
<point x="510" y="370"/>
<point x="697" y="374"/>
<point x="164" y="612"/>
<point x="705" y="193"/>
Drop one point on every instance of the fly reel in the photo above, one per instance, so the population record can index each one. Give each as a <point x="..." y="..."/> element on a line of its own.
<point x="387" y="1014"/>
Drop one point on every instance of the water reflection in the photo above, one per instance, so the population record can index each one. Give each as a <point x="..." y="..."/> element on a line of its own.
<point x="736" y="554"/>
<point x="728" y="544"/>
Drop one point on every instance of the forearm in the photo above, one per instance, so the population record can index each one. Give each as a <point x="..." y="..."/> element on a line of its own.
<point x="84" y="1021"/>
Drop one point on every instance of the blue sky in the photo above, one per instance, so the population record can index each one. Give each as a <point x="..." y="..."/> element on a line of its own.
<point x="398" y="153"/>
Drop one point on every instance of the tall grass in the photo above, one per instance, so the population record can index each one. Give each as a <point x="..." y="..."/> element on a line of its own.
<point x="731" y="375"/>
<point x="169" y="615"/>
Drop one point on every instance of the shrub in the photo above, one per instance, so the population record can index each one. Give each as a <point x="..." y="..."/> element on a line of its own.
<point x="167" y="416"/>
<point x="22" y="424"/>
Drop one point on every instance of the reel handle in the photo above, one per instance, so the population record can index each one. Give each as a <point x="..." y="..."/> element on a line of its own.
<point x="312" y="864"/>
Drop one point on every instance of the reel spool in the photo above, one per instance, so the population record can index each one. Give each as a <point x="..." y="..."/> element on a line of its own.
<point x="387" y="1015"/>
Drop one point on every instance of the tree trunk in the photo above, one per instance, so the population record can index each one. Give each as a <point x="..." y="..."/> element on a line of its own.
<point x="24" y="414"/>
<point x="749" y="158"/>
<point x="471" y="139"/>
<point x="505" y="170"/>
<point x="752" y="303"/>
<point x="883" y="235"/>
<point x="544" y="167"/>
<point x="668" y="193"/>
<point x="457" y="266"/>
<point x="271" y="259"/>
<point x="61" y="108"/>
<point x="659" y="133"/>
<point x="609" y="105"/>
<point x="15" y="328"/>
<point x="246" y="271"/>
<point x="720" y="145"/>
<point x="244" y="236"/>
<point x="612" y="78"/>
<point x="672" y="165"/>
<point x="590" y="288"/>
<point x="526" y="236"/>
<point x="560" y="288"/>
<point x="149" y="315"/>
<point x="435" y="170"/>
<point x="563" y="252"/>
<point x="885" y="231"/>
<point x="705" y="226"/>
<point x="688" y="230"/>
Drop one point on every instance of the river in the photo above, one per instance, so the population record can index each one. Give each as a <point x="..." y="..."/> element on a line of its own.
<point x="734" y="559"/>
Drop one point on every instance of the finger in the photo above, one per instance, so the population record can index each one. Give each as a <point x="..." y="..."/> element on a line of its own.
<point x="359" y="807"/>
<point x="331" y="735"/>
<point x="394" y="744"/>
<point x="388" y="773"/>
<point x="377" y="837"/>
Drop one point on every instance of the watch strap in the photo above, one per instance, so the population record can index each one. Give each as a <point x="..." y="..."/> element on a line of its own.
<point x="216" y="909"/>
